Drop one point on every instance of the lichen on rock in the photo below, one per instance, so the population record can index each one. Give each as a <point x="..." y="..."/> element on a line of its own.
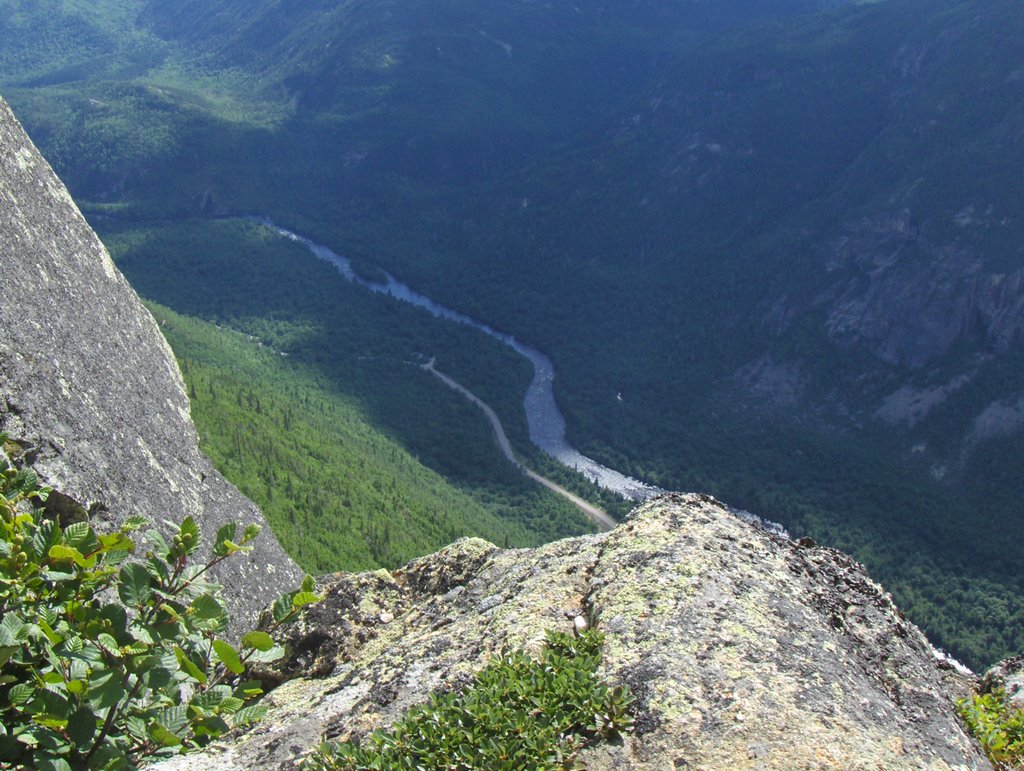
<point x="744" y="649"/>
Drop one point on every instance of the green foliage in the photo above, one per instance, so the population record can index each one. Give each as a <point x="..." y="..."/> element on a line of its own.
<point x="998" y="727"/>
<point x="339" y="492"/>
<point x="420" y="145"/>
<point x="90" y="682"/>
<point x="359" y="458"/>
<point x="519" y="712"/>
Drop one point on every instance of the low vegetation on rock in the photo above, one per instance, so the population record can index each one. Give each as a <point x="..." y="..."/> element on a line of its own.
<point x="519" y="712"/>
<point x="106" y="661"/>
<point x="998" y="726"/>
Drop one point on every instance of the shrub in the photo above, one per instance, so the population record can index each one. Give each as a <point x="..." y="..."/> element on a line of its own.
<point x="519" y="713"/>
<point x="106" y="662"/>
<point x="998" y="727"/>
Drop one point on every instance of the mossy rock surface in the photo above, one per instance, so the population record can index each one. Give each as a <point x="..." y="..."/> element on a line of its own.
<point x="744" y="649"/>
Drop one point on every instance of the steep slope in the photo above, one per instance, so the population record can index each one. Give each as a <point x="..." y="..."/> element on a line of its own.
<point x="744" y="650"/>
<point x="843" y="182"/>
<point x="400" y="100"/>
<point x="341" y="494"/>
<point x="790" y="267"/>
<point x="89" y="387"/>
<point x="785" y="270"/>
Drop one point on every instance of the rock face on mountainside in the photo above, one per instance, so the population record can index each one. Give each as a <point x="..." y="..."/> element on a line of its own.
<point x="90" y="389"/>
<point x="744" y="649"/>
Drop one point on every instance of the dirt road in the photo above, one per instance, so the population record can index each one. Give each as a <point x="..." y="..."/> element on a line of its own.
<point x="596" y="515"/>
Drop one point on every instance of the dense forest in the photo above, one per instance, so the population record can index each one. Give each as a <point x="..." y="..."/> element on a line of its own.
<point x="772" y="250"/>
<point x="345" y="487"/>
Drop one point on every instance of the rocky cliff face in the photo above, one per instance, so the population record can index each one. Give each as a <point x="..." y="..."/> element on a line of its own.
<point x="910" y="300"/>
<point x="89" y="387"/>
<point x="744" y="649"/>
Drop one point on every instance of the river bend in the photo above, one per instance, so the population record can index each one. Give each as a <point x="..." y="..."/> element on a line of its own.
<point x="544" y="419"/>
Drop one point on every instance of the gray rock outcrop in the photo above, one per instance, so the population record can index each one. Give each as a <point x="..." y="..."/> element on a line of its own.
<point x="1006" y="676"/>
<point x="744" y="649"/>
<point x="90" y="389"/>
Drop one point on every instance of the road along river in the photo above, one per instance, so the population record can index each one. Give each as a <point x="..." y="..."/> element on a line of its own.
<point x="545" y="421"/>
<point x="596" y="515"/>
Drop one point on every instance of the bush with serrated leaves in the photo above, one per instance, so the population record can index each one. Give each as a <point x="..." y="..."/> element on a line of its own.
<point x="104" y="661"/>
<point x="519" y="712"/>
<point x="997" y="725"/>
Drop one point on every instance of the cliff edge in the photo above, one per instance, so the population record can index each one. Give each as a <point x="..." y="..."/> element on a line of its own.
<point x="744" y="649"/>
<point x="90" y="389"/>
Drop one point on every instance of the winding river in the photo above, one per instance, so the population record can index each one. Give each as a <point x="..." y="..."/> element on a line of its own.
<point x="545" y="421"/>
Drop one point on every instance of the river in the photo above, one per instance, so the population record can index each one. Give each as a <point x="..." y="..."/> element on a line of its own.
<point x="544" y="419"/>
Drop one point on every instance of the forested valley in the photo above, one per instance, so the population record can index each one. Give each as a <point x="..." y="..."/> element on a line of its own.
<point x="772" y="250"/>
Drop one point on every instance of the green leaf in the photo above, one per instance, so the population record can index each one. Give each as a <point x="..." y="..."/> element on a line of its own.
<point x="20" y="694"/>
<point x="231" y="705"/>
<point x="116" y="542"/>
<point x="271" y="654"/>
<point x="189" y="666"/>
<point x="50" y="721"/>
<point x="6" y="651"/>
<point x="46" y="535"/>
<point x="250" y="689"/>
<point x="282" y="608"/>
<point x="251" y="531"/>
<point x="248" y="715"/>
<point x="135" y="649"/>
<point x="210" y="727"/>
<point x="51" y="635"/>
<point x="164" y="737"/>
<point x="135" y="522"/>
<point x="173" y="719"/>
<point x="82" y="726"/>
<point x="170" y="611"/>
<point x="136" y="585"/>
<point x="110" y="756"/>
<point x="206" y="607"/>
<point x="106" y="691"/>
<point x="136" y="727"/>
<point x="77" y="687"/>
<point x="56" y="576"/>
<point x="159" y="672"/>
<point x="53" y="764"/>
<point x="142" y="633"/>
<point x="109" y="644"/>
<point x="228" y="656"/>
<point x="211" y="698"/>
<point x="77" y="534"/>
<point x="225" y="534"/>
<point x="261" y="641"/>
<point x="27" y="480"/>
<point x="61" y="553"/>
<point x="156" y="538"/>
<point x="301" y="599"/>
<point x="9" y="629"/>
<point x="116" y="556"/>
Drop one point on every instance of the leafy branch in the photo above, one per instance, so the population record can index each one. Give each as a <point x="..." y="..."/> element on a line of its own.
<point x="105" y="662"/>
